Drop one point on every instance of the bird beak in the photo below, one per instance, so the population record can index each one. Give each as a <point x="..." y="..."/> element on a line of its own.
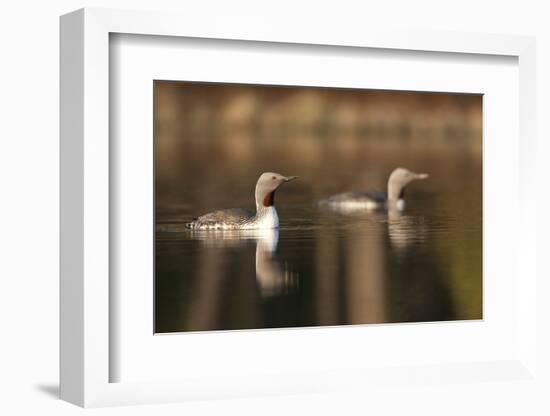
<point x="290" y="178"/>
<point x="422" y="176"/>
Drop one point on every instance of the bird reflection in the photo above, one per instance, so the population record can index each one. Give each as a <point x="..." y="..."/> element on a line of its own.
<point x="404" y="230"/>
<point x="272" y="277"/>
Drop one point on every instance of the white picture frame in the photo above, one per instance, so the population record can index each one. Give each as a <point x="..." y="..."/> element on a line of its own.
<point x="85" y="210"/>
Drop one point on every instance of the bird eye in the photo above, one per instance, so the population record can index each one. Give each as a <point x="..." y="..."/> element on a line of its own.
<point x="274" y="178"/>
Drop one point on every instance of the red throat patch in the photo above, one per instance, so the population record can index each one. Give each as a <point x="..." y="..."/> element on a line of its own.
<point x="269" y="199"/>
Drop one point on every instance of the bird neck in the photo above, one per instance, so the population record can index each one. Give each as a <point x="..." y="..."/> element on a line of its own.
<point x="396" y="191"/>
<point x="262" y="210"/>
<point x="264" y="200"/>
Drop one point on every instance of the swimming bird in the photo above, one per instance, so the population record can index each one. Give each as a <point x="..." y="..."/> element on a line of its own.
<point x="373" y="200"/>
<point x="241" y="219"/>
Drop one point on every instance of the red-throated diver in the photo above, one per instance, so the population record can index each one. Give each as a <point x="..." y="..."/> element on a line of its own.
<point x="372" y="200"/>
<point x="242" y="219"/>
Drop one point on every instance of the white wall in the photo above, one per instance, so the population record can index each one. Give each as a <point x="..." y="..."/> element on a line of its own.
<point x="29" y="204"/>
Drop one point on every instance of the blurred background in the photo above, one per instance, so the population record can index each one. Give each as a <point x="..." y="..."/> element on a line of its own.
<point x="212" y="141"/>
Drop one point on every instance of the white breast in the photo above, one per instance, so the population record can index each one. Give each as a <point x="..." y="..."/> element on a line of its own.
<point x="268" y="220"/>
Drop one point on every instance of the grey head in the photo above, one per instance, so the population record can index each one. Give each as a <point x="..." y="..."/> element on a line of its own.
<point x="399" y="179"/>
<point x="266" y="186"/>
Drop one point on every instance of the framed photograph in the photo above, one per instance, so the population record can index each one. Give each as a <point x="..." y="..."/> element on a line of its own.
<point x="269" y="212"/>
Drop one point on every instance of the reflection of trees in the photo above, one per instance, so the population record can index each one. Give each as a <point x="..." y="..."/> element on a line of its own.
<point x="383" y="269"/>
<point x="206" y="300"/>
<point x="418" y="290"/>
<point x="351" y="272"/>
<point x="327" y="288"/>
<point x="366" y="274"/>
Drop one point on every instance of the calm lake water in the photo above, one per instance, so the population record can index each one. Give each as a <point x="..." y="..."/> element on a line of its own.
<point x="323" y="267"/>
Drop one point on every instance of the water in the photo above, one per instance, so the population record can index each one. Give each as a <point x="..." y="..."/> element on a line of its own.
<point x="323" y="267"/>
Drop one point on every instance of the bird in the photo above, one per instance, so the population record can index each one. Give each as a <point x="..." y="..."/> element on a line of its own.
<point x="393" y="199"/>
<point x="241" y="219"/>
